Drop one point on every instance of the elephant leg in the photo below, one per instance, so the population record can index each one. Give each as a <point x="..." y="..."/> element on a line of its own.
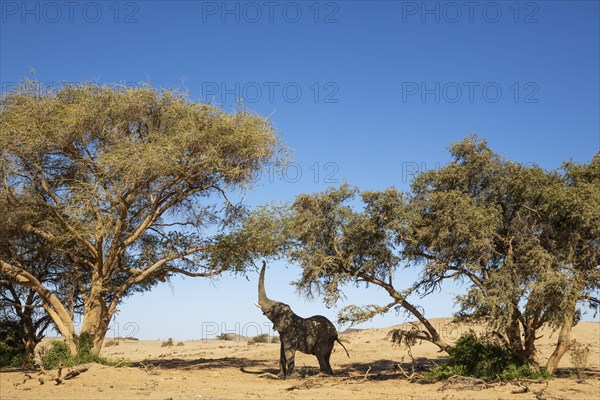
<point x="327" y="363"/>
<point x="324" y="365"/>
<point x="282" y="363"/>
<point x="290" y="355"/>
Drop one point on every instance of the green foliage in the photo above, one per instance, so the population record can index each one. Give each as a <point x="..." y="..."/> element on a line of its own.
<point x="117" y="168"/>
<point x="481" y="358"/>
<point x="441" y="372"/>
<point x="355" y="315"/>
<point x="12" y="351"/>
<point x="58" y="355"/>
<point x="84" y="343"/>
<point x="167" y="343"/>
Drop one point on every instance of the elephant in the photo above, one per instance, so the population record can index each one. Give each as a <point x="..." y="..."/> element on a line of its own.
<point x="314" y="335"/>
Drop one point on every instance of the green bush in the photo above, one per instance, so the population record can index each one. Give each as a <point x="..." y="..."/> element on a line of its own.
<point x="12" y="351"/>
<point x="483" y="359"/>
<point x="58" y="355"/>
<point x="167" y="343"/>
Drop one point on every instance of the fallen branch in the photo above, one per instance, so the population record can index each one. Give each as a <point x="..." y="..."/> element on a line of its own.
<point x="69" y="375"/>
<point x="459" y="382"/>
<point x="366" y="374"/>
<point x="414" y="375"/>
<point x="58" y="378"/>
<point x="150" y="369"/>
<point x="73" y="373"/>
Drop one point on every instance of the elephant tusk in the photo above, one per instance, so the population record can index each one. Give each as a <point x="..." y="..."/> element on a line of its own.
<point x="256" y="304"/>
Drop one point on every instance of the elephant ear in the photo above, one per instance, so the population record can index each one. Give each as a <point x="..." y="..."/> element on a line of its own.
<point x="263" y="301"/>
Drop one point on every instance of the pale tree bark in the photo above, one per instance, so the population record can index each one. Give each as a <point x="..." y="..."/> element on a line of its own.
<point x="564" y="340"/>
<point x="96" y="318"/>
<point x="59" y="314"/>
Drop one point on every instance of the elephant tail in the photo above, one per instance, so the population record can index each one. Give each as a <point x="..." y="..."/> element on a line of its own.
<point x="342" y="344"/>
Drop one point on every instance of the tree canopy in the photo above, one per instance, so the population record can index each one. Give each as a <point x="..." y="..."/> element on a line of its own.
<point x="131" y="185"/>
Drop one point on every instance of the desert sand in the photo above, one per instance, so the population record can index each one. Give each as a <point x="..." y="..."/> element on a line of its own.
<point x="233" y="369"/>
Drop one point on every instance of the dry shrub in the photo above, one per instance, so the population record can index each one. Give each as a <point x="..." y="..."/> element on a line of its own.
<point x="579" y="357"/>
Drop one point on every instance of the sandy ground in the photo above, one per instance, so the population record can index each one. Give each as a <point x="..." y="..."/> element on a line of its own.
<point x="212" y="370"/>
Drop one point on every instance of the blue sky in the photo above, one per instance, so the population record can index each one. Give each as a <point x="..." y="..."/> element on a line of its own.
<point x="364" y="93"/>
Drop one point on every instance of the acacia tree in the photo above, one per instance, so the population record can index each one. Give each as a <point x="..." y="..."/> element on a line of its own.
<point x="131" y="181"/>
<point x="524" y="238"/>
<point x="525" y="241"/>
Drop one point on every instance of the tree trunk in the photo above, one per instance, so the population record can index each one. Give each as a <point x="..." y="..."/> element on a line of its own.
<point x="30" y="344"/>
<point x="436" y="338"/>
<point x="564" y="341"/>
<point x="52" y="305"/>
<point x="513" y="335"/>
<point x="529" y="354"/>
<point x="96" y="319"/>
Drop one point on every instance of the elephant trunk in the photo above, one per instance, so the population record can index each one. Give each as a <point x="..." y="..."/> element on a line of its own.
<point x="263" y="301"/>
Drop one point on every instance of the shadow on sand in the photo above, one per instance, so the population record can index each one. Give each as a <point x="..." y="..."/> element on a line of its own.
<point x="204" y="363"/>
<point x="384" y="369"/>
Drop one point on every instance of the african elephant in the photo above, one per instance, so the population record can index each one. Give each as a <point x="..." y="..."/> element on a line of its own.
<point x="315" y="335"/>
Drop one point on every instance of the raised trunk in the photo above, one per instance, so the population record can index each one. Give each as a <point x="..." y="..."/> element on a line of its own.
<point x="564" y="341"/>
<point x="263" y="301"/>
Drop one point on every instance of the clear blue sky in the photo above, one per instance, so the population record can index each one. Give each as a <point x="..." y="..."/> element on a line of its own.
<point x="364" y="92"/>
